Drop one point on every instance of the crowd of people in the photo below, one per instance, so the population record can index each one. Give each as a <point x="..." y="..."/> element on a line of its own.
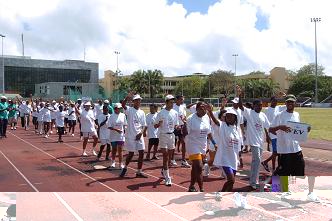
<point x="207" y="138"/>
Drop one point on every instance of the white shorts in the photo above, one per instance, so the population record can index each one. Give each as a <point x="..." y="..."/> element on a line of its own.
<point x="87" y="134"/>
<point x="167" y="141"/>
<point x="133" y="145"/>
<point x="105" y="141"/>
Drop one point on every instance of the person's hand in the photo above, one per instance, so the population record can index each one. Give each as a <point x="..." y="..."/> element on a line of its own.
<point x="144" y="134"/>
<point x="208" y="107"/>
<point x="138" y="136"/>
<point x="309" y="129"/>
<point x="285" y="128"/>
<point x="224" y="102"/>
<point x="238" y="90"/>
<point x="216" y="147"/>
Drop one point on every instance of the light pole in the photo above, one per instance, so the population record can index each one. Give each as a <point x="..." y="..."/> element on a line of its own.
<point x="315" y="20"/>
<point x="117" y="72"/>
<point x="235" y="55"/>
<point x="3" y="65"/>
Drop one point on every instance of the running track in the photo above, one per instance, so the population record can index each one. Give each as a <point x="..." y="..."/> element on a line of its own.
<point x="31" y="162"/>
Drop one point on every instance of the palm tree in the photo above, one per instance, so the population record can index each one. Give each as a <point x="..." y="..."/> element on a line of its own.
<point x="155" y="80"/>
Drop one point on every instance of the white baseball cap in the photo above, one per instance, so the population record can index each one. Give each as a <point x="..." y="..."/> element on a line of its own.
<point x="169" y="97"/>
<point x="230" y="111"/>
<point x="3" y="97"/>
<point x="117" y="105"/>
<point x="137" y="96"/>
<point x="87" y="103"/>
<point x="53" y="101"/>
<point x="236" y="100"/>
<point x="106" y="101"/>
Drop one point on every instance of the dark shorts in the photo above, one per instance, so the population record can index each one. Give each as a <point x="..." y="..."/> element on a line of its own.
<point x="228" y="171"/>
<point x="274" y="145"/>
<point x="71" y="123"/>
<point x="154" y="141"/>
<point x="66" y="120"/>
<point x="61" y="130"/>
<point x="114" y="144"/>
<point x="291" y="164"/>
<point x="178" y="132"/>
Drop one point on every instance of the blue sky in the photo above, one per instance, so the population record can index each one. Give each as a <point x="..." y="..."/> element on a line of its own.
<point x="201" y="6"/>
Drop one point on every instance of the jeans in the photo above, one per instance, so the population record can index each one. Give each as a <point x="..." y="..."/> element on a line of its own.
<point x="255" y="164"/>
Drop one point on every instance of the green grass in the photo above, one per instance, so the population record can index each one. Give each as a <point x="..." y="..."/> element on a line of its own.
<point x="320" y="120"/>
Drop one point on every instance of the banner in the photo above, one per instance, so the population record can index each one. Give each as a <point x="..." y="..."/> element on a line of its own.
<point x="299" y="131"/>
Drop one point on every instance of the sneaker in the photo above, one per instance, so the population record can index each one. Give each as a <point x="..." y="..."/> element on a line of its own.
<point x="192" y="189"/>
<point x="12" y="128"/>
<point x="237" y="199"/>
<point x="185" y="164"/>
<point x="155" y="158"/>
<point x="46" y="136"/>
<point x="141" y="175"/>
<point x="244" y="203"/>
<point x="122" y="166"/>
<point x="218" y="197"/>
<point x="173" y="163"/>
<point x="168" y="181"/>
<point x="72" y="135"/>
<point x="123" y="172"/>
<point x="266" y="167"/>
<point x="94" y="153"/>
<point x="84" y="154"/>
<point x="51" y="132"/>
<point x="206" y="170"/>
<point x="113" y="164"/>
<point x="313" y="197"/>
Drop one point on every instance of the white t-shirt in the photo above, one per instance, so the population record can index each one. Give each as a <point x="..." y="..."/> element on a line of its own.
<point x="24" y="109"/>
<point x="151" y="121"/>
<point x="170" y="120"/>
<point x="46" y="114"/>
<point x="98" y="109"/>
<point x="40" y="115"/>
<point x="285" y="144"/>
<point x="136" y="122"/>
<point x="271" y="113"/>
<point x="256" y="122"/>
<point x="228" y="146"/>
<point x="87" y="121"/>
<point x="181" y="110"/>
<point x="53" y="113"/>
<point x="60" y="118"/>
<point x="104" y="132"/>
<point x="71" y="113"/>
<point x="117" y="121"/>
<point x="198" y="129"/>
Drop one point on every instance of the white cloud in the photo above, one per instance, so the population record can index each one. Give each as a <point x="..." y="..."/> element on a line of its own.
<point x="153" y="34"/>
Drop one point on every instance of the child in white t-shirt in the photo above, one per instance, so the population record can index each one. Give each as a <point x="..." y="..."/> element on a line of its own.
<point x="152" y="132"/>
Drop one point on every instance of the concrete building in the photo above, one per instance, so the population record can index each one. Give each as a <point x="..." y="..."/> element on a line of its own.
<point x="22" y="73"/>
<point x="109" y="82"/>
<point x="279" y="75"/>
<point x="67" y="90"/>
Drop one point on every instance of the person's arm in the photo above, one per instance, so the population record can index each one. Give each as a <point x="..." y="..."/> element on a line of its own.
<point x="190" y="105"/>
<point x="104" y="122"/>
<point x="160" y="122"/>
<point x="77" y="111"/>
<point x="239" y="93"/>
<point x="213" y="118"/>
<point x="212" y="141"/>
<point x="124" y="102"/>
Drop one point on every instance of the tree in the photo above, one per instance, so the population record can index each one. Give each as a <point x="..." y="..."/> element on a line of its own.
<point x="191" y="86"/>
<point x="222" y="82"/>
<point x="155" y="81"/>
<point x="139" y="82"/>
<point x="310" y="69"/>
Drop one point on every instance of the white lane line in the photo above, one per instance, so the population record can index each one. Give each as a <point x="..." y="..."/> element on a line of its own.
<point x="73" y="168"/>
<point x="256" y="208"/>
<point x="68" y="207"/>
<point x="24" y="177"/>
<point x="161" y="207"/>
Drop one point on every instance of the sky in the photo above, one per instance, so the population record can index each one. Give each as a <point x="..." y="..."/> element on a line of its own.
<point x="178" y="37"/>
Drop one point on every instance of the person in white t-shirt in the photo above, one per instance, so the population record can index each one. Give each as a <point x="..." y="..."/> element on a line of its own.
<point x="167" y="120"/>
<point x="117" y="124"/>
<point x="98" y="110"/>
<point x="291" y="162"/>
<point x="196" y="143"/>
<point x="35" y="107"/>
<point x="257" y="126"/>
<point x="60" y="122"/>
<point x="180" y="108"/>
<point x="104" y="132"/>
<point x="134" y="134"/>
<point x="88" y="127"/>
<point x="46" y="119"/>
<point x="71" y="116"/>
<point x="40" y="117"/>
<point x="25" y="110"/>
<point x="53" y="107"/>
<point x="152" y="132"/>
<point x="271" y="112"/>
<point x="192" y="107"/>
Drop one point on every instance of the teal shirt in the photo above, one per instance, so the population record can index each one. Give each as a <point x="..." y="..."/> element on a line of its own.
<point x="12" y="112"/>
<point x="110" y="109"/>
<point x="3" y="112"/>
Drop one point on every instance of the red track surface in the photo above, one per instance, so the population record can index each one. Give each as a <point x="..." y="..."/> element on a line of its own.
<point x="31" y="162"/>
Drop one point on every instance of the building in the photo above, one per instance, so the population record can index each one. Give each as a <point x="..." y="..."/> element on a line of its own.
<point x="22" y="73"/>
<point x="170" y="83"/>
<point x="109" y="82"/>
<point x="279" y="75"/>
<point x="67" y="90"/>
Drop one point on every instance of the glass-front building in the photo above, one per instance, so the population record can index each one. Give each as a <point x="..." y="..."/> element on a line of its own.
<point x="22" y="74"/>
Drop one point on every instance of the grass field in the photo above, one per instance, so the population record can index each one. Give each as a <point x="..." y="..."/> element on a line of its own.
<point x="320" y="120"/>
